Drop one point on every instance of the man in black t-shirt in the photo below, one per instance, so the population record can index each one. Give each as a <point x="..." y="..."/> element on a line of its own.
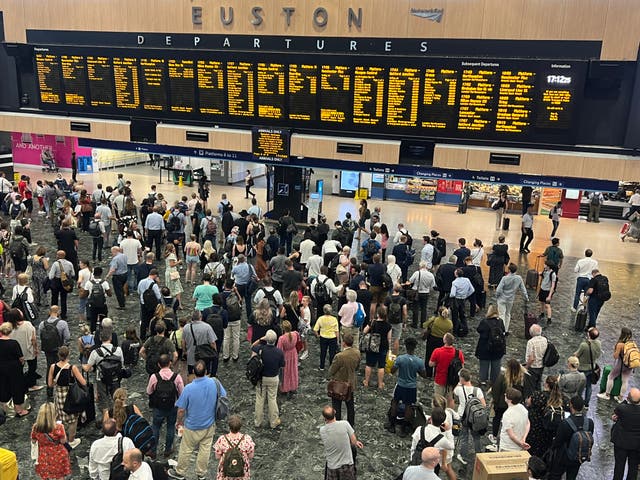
<point x="273" y="361"/>
<point x="597" y="292"/>
<point x="291" y="280"/>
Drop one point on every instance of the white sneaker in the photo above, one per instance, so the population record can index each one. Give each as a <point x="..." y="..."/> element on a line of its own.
<point x="492" y="439"/>
<point x="460" y="459"/>
<point x="619" y="398"/>
<point x="491" y="448"/>
<point x="573" y="310"/>
<point x="603" y="396"/>
<point x="75" y="443"/>
<point x="304" y="354"/>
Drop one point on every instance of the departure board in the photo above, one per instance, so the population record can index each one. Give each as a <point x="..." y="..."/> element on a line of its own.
<point x="335" y="93"/>
<point x="303" y="89"/>
<point x="211" y="87"/>
<point x="154" y="90"/>
<point x="74" y="77"/>
<point x="100" y="79"/>
<point x="272" y="89"/>
<point x="182" y="88"/>
<point x="49" y="78"/>
<point x="240" y="89"/>
<point x="493" y="99"/>
<point x="125" y="75"/>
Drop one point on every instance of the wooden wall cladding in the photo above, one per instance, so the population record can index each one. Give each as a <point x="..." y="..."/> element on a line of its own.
<point x="219" y="138"/>
<point x="373" y="151"/>
<point x="615" y="22"/>
<point x="50" y="125"/>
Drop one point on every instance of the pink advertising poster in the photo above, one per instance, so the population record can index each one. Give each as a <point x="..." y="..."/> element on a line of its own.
<point x="27" y="147"/>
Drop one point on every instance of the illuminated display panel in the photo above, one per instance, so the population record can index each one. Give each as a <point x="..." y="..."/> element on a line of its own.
<point x="403" y="97"/>
<point x="74" y="77"/>
<point x="182" y="89"/>
<point x="152" y="79"/>
<point x="240" y="89"/>
<point x="368" y="95"/>
<point x="303" y="89"/>
<point x="49" y="78"/>
<point x="100" y="78"/>
<point x="211" y="87"/>
<point x="125" y="75"/>
<point x="439" y="98"/>
<point x="272" y="89"/>
<point x="336" y="99"/>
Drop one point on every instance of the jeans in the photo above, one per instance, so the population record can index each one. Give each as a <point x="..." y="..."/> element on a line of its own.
<point x="556" y="224"/>
<point x="622" y="456"/>
<point x="464" y="442"/>
<point x="581" y="286"/>
<point x="587" y="387"/>
<point x="57" y="292"/>
<point x="202" y="440"/>
<point x="527" y="234"/>
<point x="420" y="310"/>
<point x="351" y="412"/>
<point x="52" y="357"/>
<point x="285" y="241"/>
<point x="594" y="213"/>
<point x="497" y="420"/>
<point x="487" y="366"/>
<point x="460" y="327"/>
<point x="31" y="377"/>
<point x="231" y="341"/>
<point x="330" y="344"/>
<point x="267" y="390"/>
<point x="244" y="293"/>
<point x="158" y="417"/>
<point x="155" y="236"/>
<point x="98" y="243"/>
<point x="536" y="376"/>
<point x="131" y="277"/>
<point x="593" y="306"/>
<point x="118" y="288"/>
<point x="504" y="312"/>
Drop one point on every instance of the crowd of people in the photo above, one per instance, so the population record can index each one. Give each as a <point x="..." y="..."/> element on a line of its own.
<point x="356" y="291"/>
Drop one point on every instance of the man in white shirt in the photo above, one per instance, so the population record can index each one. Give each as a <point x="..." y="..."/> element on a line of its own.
<point x="314" y="263"/>
<point x="106" y="216"/>
<point x="306" y="249"/>
<point x="401" y="231"/>
<point x="430" y="432"/>
<point x="583" y="268"/>
<point x="515" y="423"/>
<point x="103" y="450"/>
<point x="330" y="248"/>
<point x="133" y="462"/>
<point x="423" y="281"/>
<point x="132" y="249"/>
<point x="634" y="201"/>
<point x="534" y="354"/>
<point x="527" y="231"/>
<point x="426" y="255"/>
<point x="463" y="392"/>
<point x="98" y="194"/>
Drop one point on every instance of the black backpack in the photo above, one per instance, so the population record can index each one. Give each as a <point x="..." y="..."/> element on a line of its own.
<point x="497" y="340"/>
<point x="156" y="349"/>
<point x="387" y="281"/>
<point x="15" y="210"/>
<point x="165" y="394"/>
<point x="416" y="458"/>
<point x="233" y="307"/>
<point x="371" y="249"/>
<point x="16" y="248"/>
<point x="50" y="337"/>
<point x="97" y="299"/>
<point x="551" y="355"/>
<point x="173" y="225"/>
<point x="21" y="302"/>
<point x="137" y="428"/>
<point x="552" y="418"/>
<point x="437" y="255"/>
<point x="94" y="228"/>
<point x="213" y="316"/>
<point x="320" y="292"/>
<point x="110" y="366"/>
<point x="116" y="468"/>
<point x="255" y="367"/>
<point x="271" y="298"/>
<point x="395" y="311"/>
<point x="150" y="299"/>
<point x="603" y="292"/>
<point x="454" y="368"/>
<point x="409" y="241"/>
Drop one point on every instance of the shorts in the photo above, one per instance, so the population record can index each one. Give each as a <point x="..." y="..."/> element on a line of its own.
<point x="376" y="359"/>
<point x="396" y="331"/>
<point x="82" y="305"/>
<point x="408" y="396"/>
<point x="377" y="295"/>
<point x="542" y="296"/>
<point x="192" y="259"/>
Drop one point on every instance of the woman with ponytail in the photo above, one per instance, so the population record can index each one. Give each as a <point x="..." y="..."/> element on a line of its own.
<point x="545" y="414"/>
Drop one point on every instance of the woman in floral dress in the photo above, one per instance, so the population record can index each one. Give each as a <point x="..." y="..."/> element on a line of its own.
<point x="228" y="441"/>
<point x="539" y="404"/>
<point x="53" y="458"/>
<point x="287" y="343"/>
<point x="40" y="270"/>
<point x="171" y="273"/>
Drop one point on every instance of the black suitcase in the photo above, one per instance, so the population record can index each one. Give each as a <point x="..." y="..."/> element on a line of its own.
<point x="505" y="223"/>
<point x="581" y="320"/>
<point x="531" y="280"/>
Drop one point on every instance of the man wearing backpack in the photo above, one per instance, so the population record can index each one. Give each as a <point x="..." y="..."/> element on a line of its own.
<point x="164" y="388"/>
<point x="175" y="228"/>
<point x="97" y="231"/>
<point x="397" y="316"/>
<point x="55" y="275"/>
<point x="404" y="257"/>
<point x="472" y="409"/>
<point x="431" y="435"/>
<point x="597" y="293"/>
<point x="370" y="247"/>
<point x="534" y="354"/>
<point x="596" y="199"/>
<point x="197" y="408"/>
<point x="209" y="227"/>
<point x="572" y="443"/>
<point x="156" y="346"/>
<point x="105" y="449"/>
<point x="96" y="291"/>
<point x="276" y="302"/>
<point x="323" y="290"/>
<point x="233" y="304"/>
<point x="149" y="296"/>
<point x="53" y="333"/>
<point x="107" y="360"/>
<point x="441" y="359"/>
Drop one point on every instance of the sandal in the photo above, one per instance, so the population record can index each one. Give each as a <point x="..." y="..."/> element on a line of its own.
<point x="365" y="384"/>
<point x="381" y="387"/>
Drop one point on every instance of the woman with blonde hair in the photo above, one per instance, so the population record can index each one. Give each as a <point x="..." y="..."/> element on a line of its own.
<point x="171" y="273"/>
<point x="121" y="408"/>
<point x="205" y="254"/>
<point x="86" y="342"/>
<point x="287" y="343"/>
<point x="261" y="320"/>
<point x="53" y="458"/>
<point x="619" y="368"/>
<point x="60" y="377"/>
<point x="393" y="270"/>
<point x="434" y="330"/>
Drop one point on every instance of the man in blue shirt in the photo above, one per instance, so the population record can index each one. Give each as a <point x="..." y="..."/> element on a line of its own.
<point x="197" y="415"/>
<point x="243" y="274"/>
<point x="118" y="269"/>
<point x="369" y="248"/>
<point x="461" y="289"/>
<point x="408" y="366"/>
<point x="153" y="229"/>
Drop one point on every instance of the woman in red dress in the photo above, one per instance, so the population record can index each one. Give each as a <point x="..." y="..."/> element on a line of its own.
<point x="287" y="343"/>
<point x="53" y="457"/>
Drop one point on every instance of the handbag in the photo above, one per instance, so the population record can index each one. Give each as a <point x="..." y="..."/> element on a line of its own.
<point x="595" y="369"/>
<point x="204" y="351"/>
<point x="339" y="390"/>
<point x="77" y="400"/>
<point x="251" y="183"/>
<point x="174" y="276"/>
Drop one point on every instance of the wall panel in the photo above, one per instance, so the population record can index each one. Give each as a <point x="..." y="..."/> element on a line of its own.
<point x="562" y="165"/>
<point x="622" y="30"/>
<point x="584" y="19"/>
<point x="631" y="170"/>
<point x="543" y="19"/>
<point x="603" y="167"/>
<point x="502" y="19"/>
<point x="464" y="18"/>
<point x="454" y="158"/>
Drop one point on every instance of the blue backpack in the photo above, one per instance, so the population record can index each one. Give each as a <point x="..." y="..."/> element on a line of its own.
<point x="359" y="316"/>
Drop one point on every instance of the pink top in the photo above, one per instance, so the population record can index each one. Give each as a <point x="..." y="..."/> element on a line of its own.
<point x="166" y="374"/>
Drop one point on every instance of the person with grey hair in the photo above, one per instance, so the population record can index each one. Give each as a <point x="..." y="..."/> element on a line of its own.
<point x="534" y="354"/>
<point x="347" y="313"/>
<point x="105" y="325"/>
<point x="422" y="281"/>
<point x="196" y="333"/>
<point x="267" y="389"/>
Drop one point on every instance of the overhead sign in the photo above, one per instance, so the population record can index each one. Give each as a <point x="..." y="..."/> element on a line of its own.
<point x="270" y="145"/>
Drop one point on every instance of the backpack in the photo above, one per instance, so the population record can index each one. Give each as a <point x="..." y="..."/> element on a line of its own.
<point x="408" y="260"/>
<point x="137" y="428"/>
<point x="15" y="210"/>
<point x="387" y="282"/>
<point x="371" y="248"/>
<point x="17" y="248"/>
<point x="552" y="418"/>
<point x="233" y="460"/>
<point x="579" y="449"/>
<point x="130" y="352"/>
<point x="416" y="458"/>
<point x="595" y="200"/>
<point x="453" y="369"/>
<point x="165" y="394"/>
<point x="212" y="228"/>
<point x="359" y="316"/>
<point x="255" y="367"/>
<point x="116" y="468"/>
<point x="156" y="348"/>
<point x="214" y="318"/>
<point x="50" y="337"/>
<point x="233" y="307"/>
<point x="21" y="302"/>
<point x="476" y="416"/>
<point x="223" y="405"/>
<point x="551" y="355"/>
<point x="94" y="228"/>
<point x="225" y="207"/>
<point x="110" y="367"/>
<point x="173" y="225"/>
<point x="603" y="293"/>
<point x="271" y="297"/>
<point x="320" y="292"/>
<point x="150" y="300"/>
<point x="409" y="241"/>
<point x="267" y="253"/>
<point x="97" y="299"/>
<point x="631" y="355"/>
<point x="371" y="342"/>
<point x="497" y="340"/>
<point x="67" y="283"/>
<point x="395" y="311"/>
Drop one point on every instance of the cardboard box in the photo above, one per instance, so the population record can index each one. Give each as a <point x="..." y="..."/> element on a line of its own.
<point x="501" y="466"/>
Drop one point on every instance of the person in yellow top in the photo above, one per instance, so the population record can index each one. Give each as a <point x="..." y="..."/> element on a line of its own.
<point x="434" y="330"/>
<point x="326" y="329"/>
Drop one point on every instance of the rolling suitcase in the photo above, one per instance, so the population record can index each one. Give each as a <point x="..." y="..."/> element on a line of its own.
<point x="581" y="320"/>
<point x="617" y="383"/>
<point x="8" y="465"/>
<point x="505" y="223"/>
<point x="529" y="320"/>
<point x="531" y="280"/>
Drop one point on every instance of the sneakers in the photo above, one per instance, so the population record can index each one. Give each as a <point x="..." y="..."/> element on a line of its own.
<point x="619" y="398"/>
<point x="491" y="448"/>
<point x="603" y="396"/>
<point x="492" y="438"/>
<point x="460" y="459"/>
<point x="304" y="354"/>
<point x="573" y="310"/>
<point x="36" y="388"/>
<point x="173" y="474"/>
<point x="75" y="443"/>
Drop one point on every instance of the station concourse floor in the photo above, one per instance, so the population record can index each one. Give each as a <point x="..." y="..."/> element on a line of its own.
<point x="294" y="452"/>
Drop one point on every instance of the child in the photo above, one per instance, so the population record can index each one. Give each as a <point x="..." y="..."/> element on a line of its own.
<point x="40" y="197"/>
<point x="131" y="347"/>
<point x="305" y="325"/>
<point x="86" y="342"/>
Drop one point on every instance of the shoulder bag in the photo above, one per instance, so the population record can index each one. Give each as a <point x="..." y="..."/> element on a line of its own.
<point x="205" y="351"/>
<point x="339" y="390"/>
<point x="595" y="368"/>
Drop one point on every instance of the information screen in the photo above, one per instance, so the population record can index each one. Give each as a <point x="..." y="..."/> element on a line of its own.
<point x="509" y="100"/>
<point x="270" y="144"/>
